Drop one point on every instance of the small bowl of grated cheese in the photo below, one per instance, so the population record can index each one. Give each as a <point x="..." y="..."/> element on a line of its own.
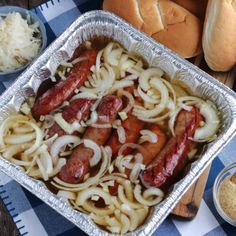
<point x="22" y="39"/>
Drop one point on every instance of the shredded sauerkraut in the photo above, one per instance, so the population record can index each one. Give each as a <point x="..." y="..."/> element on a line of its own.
<point x="18" y="44"/>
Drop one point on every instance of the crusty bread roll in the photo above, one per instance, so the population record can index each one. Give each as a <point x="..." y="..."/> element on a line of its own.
<point x="219" y="37"/>
<point x="197" y="7"/>
<point x="164" y="20"/>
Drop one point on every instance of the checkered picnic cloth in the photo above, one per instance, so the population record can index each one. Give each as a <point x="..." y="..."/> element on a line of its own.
<point x="33" y="217"/>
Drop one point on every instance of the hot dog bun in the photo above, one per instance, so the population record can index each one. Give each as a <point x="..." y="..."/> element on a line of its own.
<point x="197" y="7"/>
<point x="219" y="37"/>
<point x="164" y="20"/>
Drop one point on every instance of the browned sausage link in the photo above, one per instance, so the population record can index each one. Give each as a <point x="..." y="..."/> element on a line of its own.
<point x="63" y="90"/>
<point x="78" y="164"/>
<point x="77" y="110"/>
<point x="150" y="150"/>
<point x="173" y="158"/>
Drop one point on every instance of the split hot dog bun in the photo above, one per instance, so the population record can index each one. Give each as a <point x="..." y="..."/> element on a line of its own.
<point x="164" y="20"/>
<point x="197" y="7"/>
<point x="219" y="37"/>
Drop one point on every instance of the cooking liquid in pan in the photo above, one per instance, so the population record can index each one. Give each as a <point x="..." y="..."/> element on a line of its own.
<point x="124" y="192"/>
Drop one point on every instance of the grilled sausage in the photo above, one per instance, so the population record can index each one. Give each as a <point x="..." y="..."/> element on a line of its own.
<point x="77" y="110"/>
<point x="78" y="164"/>
<point x="173" y="158"/>
<point x="64" y="90"/>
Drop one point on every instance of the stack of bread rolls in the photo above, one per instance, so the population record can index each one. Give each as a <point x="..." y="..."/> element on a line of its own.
<point x="187" y="27"/>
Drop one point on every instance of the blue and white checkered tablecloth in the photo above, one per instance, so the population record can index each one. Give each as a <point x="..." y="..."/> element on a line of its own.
<point x="33" y="217"/>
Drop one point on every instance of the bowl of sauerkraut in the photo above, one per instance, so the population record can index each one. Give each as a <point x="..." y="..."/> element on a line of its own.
<point x="22" y="37"/>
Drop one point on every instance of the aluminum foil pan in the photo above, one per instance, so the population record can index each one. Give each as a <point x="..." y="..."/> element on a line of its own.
<point x="99" y="23"/>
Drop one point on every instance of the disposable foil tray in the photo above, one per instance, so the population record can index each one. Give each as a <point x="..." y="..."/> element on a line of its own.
<point x="99" y="23"/>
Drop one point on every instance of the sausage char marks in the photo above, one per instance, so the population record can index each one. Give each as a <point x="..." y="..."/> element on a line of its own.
<point x="173" y="158"/>
<point x="78" y="164"/>
<point x="64" y="89"/>
<point x="77" y="110"/>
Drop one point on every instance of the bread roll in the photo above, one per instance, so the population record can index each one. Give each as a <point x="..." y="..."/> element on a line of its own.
<point x="197" y="7"/>
<point x="219" y="37"/>
<point x="164" y="20"/>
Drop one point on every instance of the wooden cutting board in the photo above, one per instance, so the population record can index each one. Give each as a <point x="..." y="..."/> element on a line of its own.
<point x="188" y="206"/>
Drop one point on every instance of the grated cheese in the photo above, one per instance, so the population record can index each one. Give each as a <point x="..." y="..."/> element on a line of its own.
<point x="17" y="42"/>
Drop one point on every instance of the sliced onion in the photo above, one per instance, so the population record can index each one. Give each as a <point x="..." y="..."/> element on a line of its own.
<point x="133" y="217"/>
<point x="125" y="224"/>
<point x="171" y="89"/>
<point x="50" y="140"/>
<point x="94" y="160"/>
<point x="146" y="75"/>
<point x="72" y="202"/>
<point x="66" y="195"/>
<point x="107" y="51"/>
<point x="87" y="95"/>
<point x="20" y="163"/>
<point x="156" y="119"/>
<point x="121" y="162"/>
<point x="39" y="138"/>
<point x="136" y="171"/>
<point x="102" y="126"/>
<point x="7" y="124"/>
<point x="151" y="192"/>
<point x="142" y="214"/>
<point x="130" y="102"/>
<point x="121" y="84"/>
<point x="61" y="142"/>
<point x="114" y="56"/>
<point x="108" y="150"/>
<point x="132" y="76"/>
<point x="116" y="124"/>
<point x="86" y="194"/>
<point x="56" y="169"/>
<point x="48" y="121"/>
<point x="152" y="136"/>
<point x="138" y="158"/>
<point x="67" y="127"/>
<point x="15" y="149"/>
<point x="23" y="129"/>
<point x="66" y="64"/>
<point x="211" y="123"/>
<point x="93" y="118"/>
<point x="157" y="84"/>
<point x="128" y="190"/>
<point x="171" y="122"/>
<point x="98" y="219"/>
<point x="107" y="75"/>
<point x="106" y="161"/>
<point x="98" y="61"/>
<point x="42" y="170"/>
<point x="46" y="159"/>
<point x="186" y="107"/>
<point x="124" y="199"/>
<point x="129" y="145"/>
<point x="121" y="134"/>
<point x="19" y="138"/>
<point x="79" y="59"/>
<point x="189" y="98"/>
<point x="90" y="207"/>
<point x="145" y="97"/>
<point x="115" y="225"/>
